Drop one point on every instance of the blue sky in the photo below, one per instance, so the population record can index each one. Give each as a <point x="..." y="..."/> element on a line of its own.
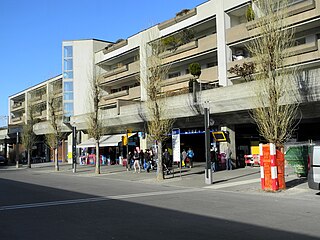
<point x="32" y="33"/>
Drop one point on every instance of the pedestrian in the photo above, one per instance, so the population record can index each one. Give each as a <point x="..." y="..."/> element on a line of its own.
<point x="166" y="160"/>
<point x="136" y="159"/>
<point x="183" y="158"/>
<point x="213" y="159"/>
<point x="142" y="160"/>
<point x="190" y="155"/>
<point x="129" y="159"/>
<point x="147" y="158"/>
<point x="228" y="158"/>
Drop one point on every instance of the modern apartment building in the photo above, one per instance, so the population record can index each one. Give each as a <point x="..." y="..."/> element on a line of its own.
<point x="213" y="34"/>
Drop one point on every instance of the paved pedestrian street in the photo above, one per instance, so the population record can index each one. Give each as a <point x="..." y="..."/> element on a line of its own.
<point x="39" y="203"/>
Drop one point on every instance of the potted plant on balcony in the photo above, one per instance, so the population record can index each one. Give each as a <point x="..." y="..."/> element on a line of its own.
<point x="250" y="15"/>
<point x="195" y="71"/>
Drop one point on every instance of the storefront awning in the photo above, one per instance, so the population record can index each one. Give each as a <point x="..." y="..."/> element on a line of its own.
<point x="105" y="141"/>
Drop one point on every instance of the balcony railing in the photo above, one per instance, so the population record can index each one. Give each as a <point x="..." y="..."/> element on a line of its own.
<point x="18" y="105"/>
<point x="127" y="70"/>
<point x="115" y="46"/>
<point x="17" y="120"/>
<point x="293" y="10"/>
<point x="129" y="94"/>
<point x="301" y="54"/>
<point x="178" y="18"/>
<point x="207" y="75"/>
<point x="198" y="46"/>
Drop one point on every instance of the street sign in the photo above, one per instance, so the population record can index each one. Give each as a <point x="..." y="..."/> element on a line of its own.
<point x="176" y="144"/>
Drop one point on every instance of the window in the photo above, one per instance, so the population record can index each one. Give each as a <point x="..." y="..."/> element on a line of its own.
<point x="68" y="52"/>
<point x="68" y="109"/>
<point x="68" y="65"/>
<point x="173" y="75"/>
<point x="68" y="96"/>
<point x="68" y="75"/>
<point x="68" y="86"/>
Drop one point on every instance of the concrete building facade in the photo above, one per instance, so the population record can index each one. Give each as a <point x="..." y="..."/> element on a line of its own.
<point x="215" y="35"/>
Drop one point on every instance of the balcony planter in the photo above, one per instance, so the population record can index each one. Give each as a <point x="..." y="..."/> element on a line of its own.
<point x="184" y="14"/>
<point x="115" y="46"/>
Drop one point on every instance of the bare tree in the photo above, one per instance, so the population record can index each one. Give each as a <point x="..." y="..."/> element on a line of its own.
<point x="276" y="106"/>
<point x="53" y="139"/>
<point x="28" y="136"/>
<point x="95" y="127"/>
<point x="159" y="121"/>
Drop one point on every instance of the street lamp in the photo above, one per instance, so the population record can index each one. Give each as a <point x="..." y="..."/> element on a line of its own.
<point x="74" y="143"/>
<point x="208" y="172"/>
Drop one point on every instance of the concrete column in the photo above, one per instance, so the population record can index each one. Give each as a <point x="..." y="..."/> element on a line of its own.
<point x="224" y="52"/>
<point x="143" y="71"/>
<point x="145" y="51"/>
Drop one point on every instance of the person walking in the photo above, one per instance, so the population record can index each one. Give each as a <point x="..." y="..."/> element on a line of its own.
<point x="228" y="158"/>
<point x="183" y="158"/>
<point x="129" y="159"/>
<point x="136" y="159"/>
<point x="142" y="160"/>
<point x="190" y="155"/>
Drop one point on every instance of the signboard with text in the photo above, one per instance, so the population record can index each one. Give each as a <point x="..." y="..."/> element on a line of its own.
<point x="176" y="144"/>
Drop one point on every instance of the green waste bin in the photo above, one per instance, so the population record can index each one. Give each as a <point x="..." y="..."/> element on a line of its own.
<point x="297" y="157"/>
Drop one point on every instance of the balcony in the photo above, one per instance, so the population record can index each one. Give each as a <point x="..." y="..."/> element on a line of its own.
<point x="180" y="17"/>
<point x="57" y="92"/>
<point x="297" y="13"/>
<point x="115" y="46"/>
<point x="41" y="114"/>
<point x="17" y="120"/>
<point x="303" y="54"/>
<point x="122" y="72"/>
<point x="18" y="106"/>
<point x="207" y="75"/>
<point x="198" y="46"/>
<point x="129" y="94"/>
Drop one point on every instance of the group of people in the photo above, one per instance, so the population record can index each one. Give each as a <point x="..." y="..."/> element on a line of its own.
<point x="187" y="158"/>
<point x="146" y="160"/>
<point x="216" y="159"/>
<point x="140" y="160"/>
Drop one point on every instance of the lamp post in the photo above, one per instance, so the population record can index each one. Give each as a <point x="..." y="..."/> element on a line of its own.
<point x="17" y="151"/>
<point x="74" y="142"/>
<point x="208" y="172"/>
<point x="74" y="148"/>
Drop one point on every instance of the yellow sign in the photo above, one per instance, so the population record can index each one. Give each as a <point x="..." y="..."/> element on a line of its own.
<point x="124" y="140"/>
<point x="219" y="136"/>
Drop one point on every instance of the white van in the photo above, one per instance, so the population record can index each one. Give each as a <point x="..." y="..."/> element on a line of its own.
<point x="314" y="168"/>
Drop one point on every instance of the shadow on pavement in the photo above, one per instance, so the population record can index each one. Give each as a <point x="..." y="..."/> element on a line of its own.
<point x="115" y="219"/>
<point x="296" y="182"/>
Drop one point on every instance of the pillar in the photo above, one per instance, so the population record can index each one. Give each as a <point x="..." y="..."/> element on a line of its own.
<point x="224" y="52"/>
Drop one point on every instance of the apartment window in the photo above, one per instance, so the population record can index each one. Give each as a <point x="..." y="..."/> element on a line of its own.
<point x="211" y="64"/>
<point x="173" y="75"/>
<point x="68" y="109"/>
<point x="68" y="86"/>
<point x="299" y="41"/>
<point x="68" y="65"/>
<point x="68" y="75"/>
<point x="68" y="52"/>
<point x="68" y="96"/>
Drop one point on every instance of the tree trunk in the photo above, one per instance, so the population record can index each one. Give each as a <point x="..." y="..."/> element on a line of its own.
<point x="97" y="158"/>
<point x="29" y="158"/>
<point x="56" y="153"/>
<point x="160" y="175"/>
